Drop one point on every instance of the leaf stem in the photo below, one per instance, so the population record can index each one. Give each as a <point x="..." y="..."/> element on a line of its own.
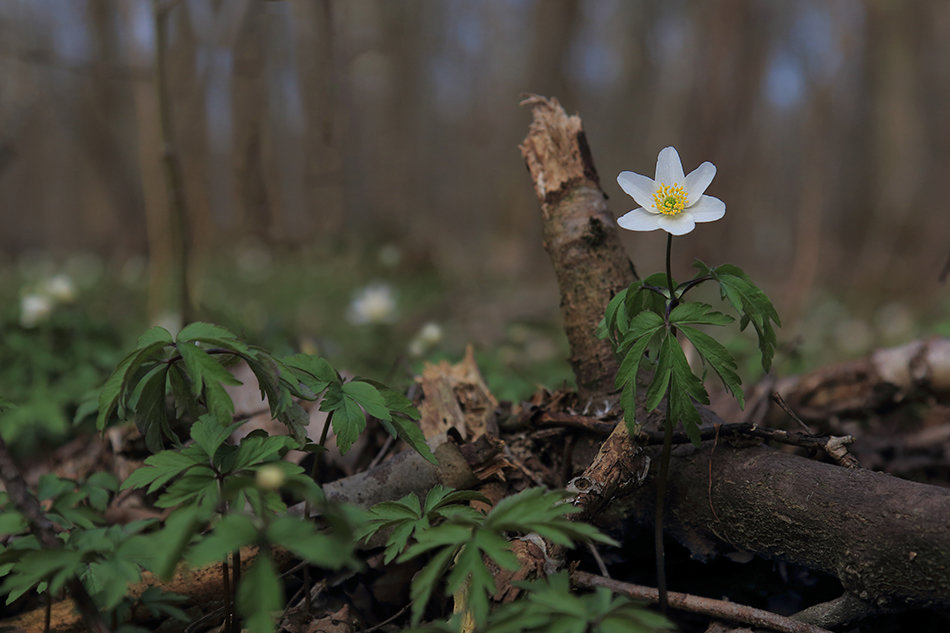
<point x="307" y="508"/>
<point x="660" y="499"/>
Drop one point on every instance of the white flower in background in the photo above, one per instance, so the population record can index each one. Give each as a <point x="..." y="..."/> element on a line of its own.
<point x="60" y="288"/>
<point x="34" y="309"/>
<point x="375" y="303"/>
<point x="671" y="201"/>
<point x="428" y="337"/>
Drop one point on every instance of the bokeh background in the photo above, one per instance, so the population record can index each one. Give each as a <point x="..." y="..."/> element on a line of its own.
<point x="354" y="187"/>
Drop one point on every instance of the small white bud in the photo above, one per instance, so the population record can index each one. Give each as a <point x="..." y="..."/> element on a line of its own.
<point x="270" y="477"/>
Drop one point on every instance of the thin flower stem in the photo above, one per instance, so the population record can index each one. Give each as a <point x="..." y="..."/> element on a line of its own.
<point x="307" y="508"/>
<point x="669" y="274"/>
<point x="660" y="499"/>
<point x="665" y="456"/>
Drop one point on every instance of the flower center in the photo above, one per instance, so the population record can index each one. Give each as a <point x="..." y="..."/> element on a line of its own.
<point x="670" y="199"/>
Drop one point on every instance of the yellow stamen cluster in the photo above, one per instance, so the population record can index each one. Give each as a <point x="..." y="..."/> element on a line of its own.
<point x="670" y="199"/>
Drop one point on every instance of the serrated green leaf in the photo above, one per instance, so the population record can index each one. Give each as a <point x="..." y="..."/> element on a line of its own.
<point x="110" y="397"/>
<point x="154" y="334"/>
<point x="409" y="432"/>
<point x="52" y="566"/>
<point x="470" y="575"/>
<point x="609" y="323"/>
<point x="424" y="582"/>
<point x="260" y="596"/>
<point x="314" y="372"/>
<point x="180" y="526"/>
<point x="228" y="535"/>
<point x="12" y="522"/>
<point x="209" y="434"/>
<point x="267" y="372"/>
<point x="197" y="486"/>
<point x="328" y="550"/>
<point x="348" y="422"/>
<point x="108" y="580"/>
<point x="537" y="510"/>
<point x="160" y="468"/>
<point x="368" y="397"/>
<point x="402" y="423"/>
<point x="628" y="403"/>
<point x="698" y="314"/>
<point x="439" y="536"/>
<point x="151" y="418"/>
<point x="718" y="357"/>
<point x="682" y="377"/>
<point x="750" y="302"/>
<point x="202" y="369"/>
<point x="661" y="376"/>
<point x="439" y="497"/>
<point x="186" y="405"/>
<point x="683" y="410"/>
<point x="203" y="331"/>
<point x="644" y="323"/>
<point x="255" y="450"/>
<point x="627" y="375"/>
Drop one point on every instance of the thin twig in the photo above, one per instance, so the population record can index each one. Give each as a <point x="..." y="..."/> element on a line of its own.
<point x="696" y="604"/>
<point x="388" y="444"/>
<point x="780" y="401"/>
<point x="391" y="618"/>
<point x="581" y="422"/>
<point x="740" y="429"/>
<point x="597" y="559"/>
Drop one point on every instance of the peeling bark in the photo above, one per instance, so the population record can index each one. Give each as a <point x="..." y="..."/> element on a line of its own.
<point x="580" y="236"/>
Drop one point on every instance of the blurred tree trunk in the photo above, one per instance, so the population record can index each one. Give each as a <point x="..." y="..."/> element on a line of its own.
<point x="896" y="139"/>
<point x="554" y="26"/>
<point x="154" y="192"/>
<point x="247" y="89"/>
<point x="317" y="59"/>
<point x="100" y="123"/>
<point x="166" y="215"/>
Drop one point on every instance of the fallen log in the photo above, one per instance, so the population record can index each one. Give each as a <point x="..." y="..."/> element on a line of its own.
<point x="886" y="539"/>
<point x="878" y="381"/>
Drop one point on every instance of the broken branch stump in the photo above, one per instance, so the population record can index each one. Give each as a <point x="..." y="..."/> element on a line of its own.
<point x="580" y="236"/>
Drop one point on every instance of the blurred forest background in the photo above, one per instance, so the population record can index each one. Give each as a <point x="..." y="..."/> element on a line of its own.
<point x="330" y="145"/>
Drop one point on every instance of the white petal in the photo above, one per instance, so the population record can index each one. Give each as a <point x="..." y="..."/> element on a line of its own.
<point x="639" y="220"/>
<point x="669" y="168"/>
<point x="679" y="224"/>
<point x="638" y="187"/>
<point x="707" y="209"/>
<point x="697" y="181"/>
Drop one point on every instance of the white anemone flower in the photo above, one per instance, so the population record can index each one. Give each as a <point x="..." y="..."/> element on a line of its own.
<point x="375" y="303"/>
<point x="672" y="201"/>
<point x="428" y="337"/>
<point x="34" y="309"/>
<point x="60" y="288"/>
